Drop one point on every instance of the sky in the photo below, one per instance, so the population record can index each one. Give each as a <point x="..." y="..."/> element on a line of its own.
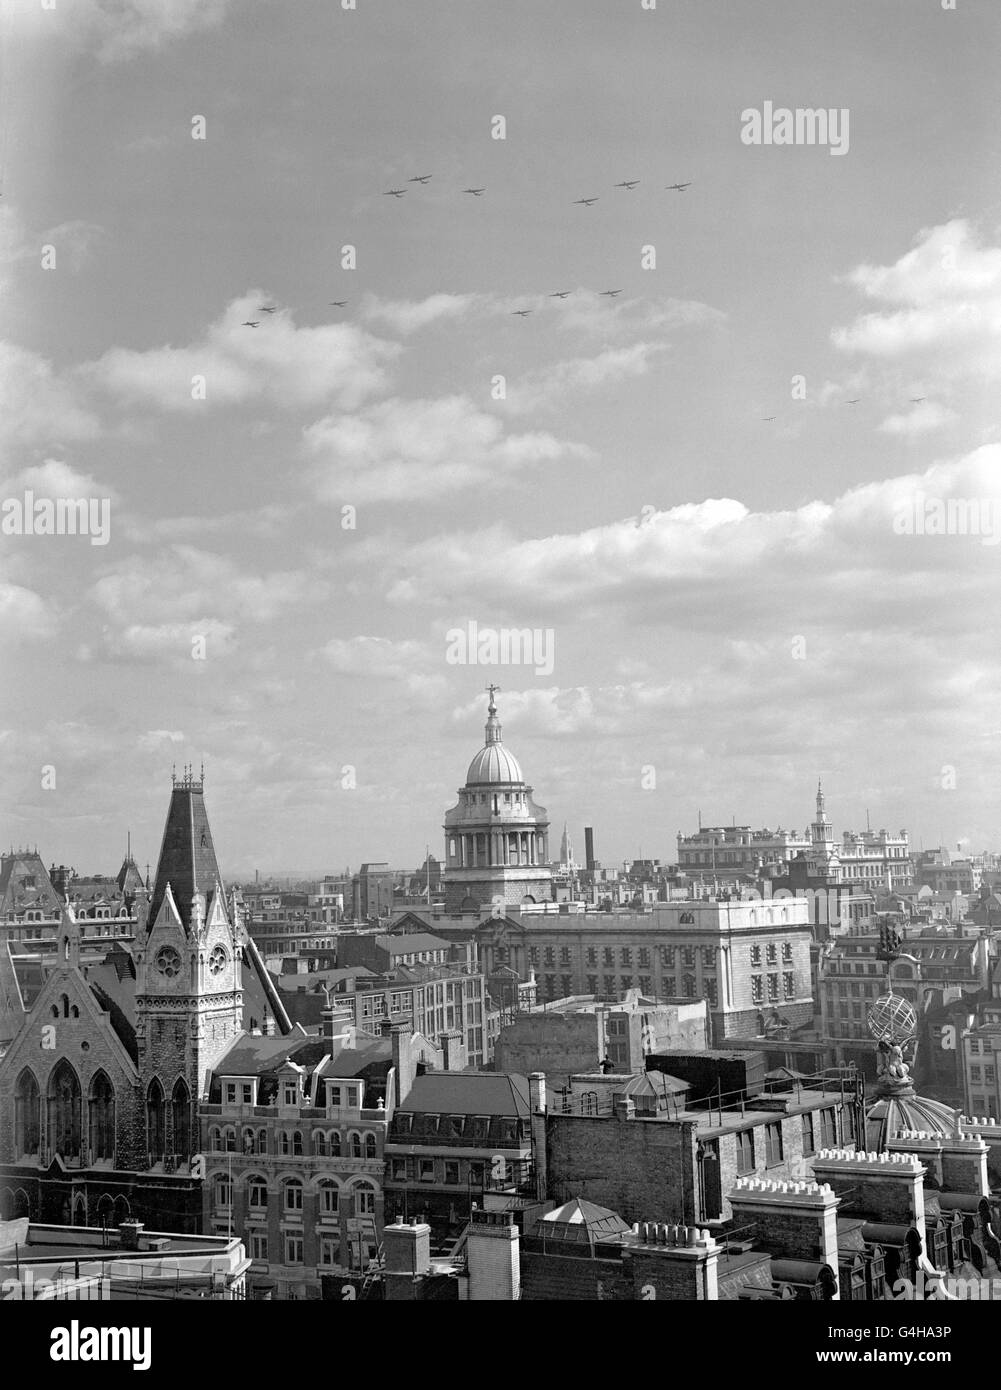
<point x="705" y="494"/>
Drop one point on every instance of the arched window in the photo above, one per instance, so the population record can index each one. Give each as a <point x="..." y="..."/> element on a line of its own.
<point x="248" y="1141"/>
<point x="320" y="1144"/>
<point x="364" y="1200"/>
<point x="257" y="1191"/>
<point x="356" y="1151"/>
<point x="262" y="1141"/>
<point x="230" y="1139"/>
<point x="155" y="1121"/>
<point x="370" y="1146"/>
<point x="102" y="1118"/>
<point x="64" y="998"/>
<point x="105" y="1209"/>
<point x="335" y="1143"/>
<point x="687" y="919"/>
<point x="27" y="1114"/>
<point x="121" y="1211"/>
<point x="297" y="1144"/>
<point x="329" y="1194"/>
<point x="215" y="1139"/>
<point x="292" y="1195"/>
<point x="64" y="1110"/>
<point x="285" y="1142"/>
<point x="223" y="1190"/>
<point x="180" y="1115"/>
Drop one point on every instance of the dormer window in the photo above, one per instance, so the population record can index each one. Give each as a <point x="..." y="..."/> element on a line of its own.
<point x="290" y="1092"/>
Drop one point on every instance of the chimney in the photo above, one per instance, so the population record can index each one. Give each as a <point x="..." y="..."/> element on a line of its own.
<point x="889" y="1187"/>
<point x="404" y="1065"/>
<point x="407" y="1250"/>
<point x="964" y="1162"/>
<point x="493" y="1254"/>
<point x="625" y="1108"/>
<point x="671" y="1262"/>
<point x="453" y="1050"/>
<point x="927" y="1148"/>
<point x="338" y="1028"/>
<point x="537" y="1120"/>
<point x="130" y="1234"/>
<point x="796" y="1220"/>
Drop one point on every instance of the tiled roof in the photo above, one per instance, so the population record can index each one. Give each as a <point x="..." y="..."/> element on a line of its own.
<point x="469" y="1093"/>
<point x="252" y="1056"/>
<point x="187" y="855"/>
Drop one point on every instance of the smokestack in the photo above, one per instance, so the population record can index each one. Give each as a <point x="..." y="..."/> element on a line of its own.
<point x="588" y="847"/>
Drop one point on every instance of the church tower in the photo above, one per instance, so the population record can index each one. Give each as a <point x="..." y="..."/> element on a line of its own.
<point x="189" y="996"/>
<point x="496" y="837"/>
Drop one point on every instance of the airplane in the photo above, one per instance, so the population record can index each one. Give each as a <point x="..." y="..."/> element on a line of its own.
<point x="337" y="303"/>
<point x="266" y="309"/>
<point x="854" y="402"/>
<point x="627" y="183"/>
<point x="678" y="187"/>
<point x="586" y="201"/>
<point x="394" y="192"/>
<point x="611" y="293"/>
<point x="420" y="178"/>
<point x="561" y="294"/>
<point x="916" y="400"/>
<point x="248" y="324"/>
<point x="520" y="313"/>
<point x="766" y="418"/>
<point x="474" y="191"/>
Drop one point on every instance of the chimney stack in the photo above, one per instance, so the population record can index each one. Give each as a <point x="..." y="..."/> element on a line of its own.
<point x="888" y="1186"/>
<point x="796" y="1220"/>
<point x="404" y="1063"/>
<point x="537" y="1121"/>
<point x="674" y="1262"/>
<point x="407" y="1250"/>
<point x="493" y="1247"/>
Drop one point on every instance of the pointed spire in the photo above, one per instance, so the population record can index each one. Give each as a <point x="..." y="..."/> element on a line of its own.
<point x="187" y="854"/>
<point x="493" y="726"/>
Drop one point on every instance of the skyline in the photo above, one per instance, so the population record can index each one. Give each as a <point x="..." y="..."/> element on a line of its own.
<point x="719" y="556"/>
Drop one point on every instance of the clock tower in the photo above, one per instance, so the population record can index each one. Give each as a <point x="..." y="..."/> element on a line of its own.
<point x="189" y="996"/>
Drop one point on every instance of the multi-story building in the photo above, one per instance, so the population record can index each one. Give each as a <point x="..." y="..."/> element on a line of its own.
<point x="293" y="1139"/>
<point x="456" y="1136"/>
<point x="720" y="853"/>
<point x="577" y="1034"/>
<point x="496" y="836"/>
<point x="749" y="960"/>
<point x="938" y="870"/>
<point x="372" y="893"/>
<point x="980" y="1047"/>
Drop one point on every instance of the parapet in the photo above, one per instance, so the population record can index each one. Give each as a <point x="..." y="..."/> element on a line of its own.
<point x="853" y="1160"/>
<point x="801" y="1193"/>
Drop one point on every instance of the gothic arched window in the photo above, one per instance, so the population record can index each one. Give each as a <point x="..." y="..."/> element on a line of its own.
<point x="180" y="1106"/>
<point x="155" y="1121"/>
<point x="102" y="1118"/>
<point x="370" y="1146"/>
<point x="64" y="1110"/>
<point x="27" y="1114"/>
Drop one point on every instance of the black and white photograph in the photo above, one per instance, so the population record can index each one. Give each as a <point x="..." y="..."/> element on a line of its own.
<point x="500" y="526"/>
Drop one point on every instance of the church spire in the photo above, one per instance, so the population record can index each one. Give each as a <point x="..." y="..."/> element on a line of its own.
<point x="187" y="855"/>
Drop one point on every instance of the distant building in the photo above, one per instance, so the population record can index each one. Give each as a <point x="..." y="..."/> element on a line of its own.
<point x="734" y="852"/>
<point x="372" y="893"/>
<point x="577" y="1034"/>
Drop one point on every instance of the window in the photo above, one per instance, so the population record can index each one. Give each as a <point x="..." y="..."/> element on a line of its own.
<point x="755" y="954"/>
<point x="757" y="990"/>
<point x="564" y="955"/>
<point x="425" y="1169"/>
<point x="329" y="1250"/>
<point x="608" y="984"/>
<point x="257" y="1192"/>
<point x="549" y="956"/>
<point x="773" y="988"/>
<point x="223" y="1192"/>
<point x="284" y="1142"/>
<point x="643" y="955"/>
<point x="828" y="1129"/>
<point x="328" y="1199"/>
<point x="788" y="984"/>
<point x="355" y="1140"/>
<point x="293" y="1250"/>
<point x="293" y="1196"/>
<point x="592" y="955"/>
<point x="626" y="956"/>
<point x="608" y="956"/>
<point x="258" y="1246"/>
<point x="451" y="1170"/>
<point x="291" y="1093"/>
<point x="974" y="1073"/>
<point x="787" y="953"/>
<point x="533" y="955"/>
<point x="689" y="986"/>
<point x="807" y="1127"/>
<point x="989" y="1075"/>
<point x="771" y="953"/>
<point x="670" y="986"/>
<point x="773" y="1144"/>
<point x="709" y="957"/>
<point x="230" y="1092"/>
<point x="710" y="991"/>
<point x="745" y="1150"/>
<point x="667" y="955"/>
<point x="231" y="1141"/>
<point x="592" y="984"/>
<point x="365" y="1201"/>
<point x="688" y="956"/>
<point x="626" y="982"/>
<point x="646" y="984"/>
<point x="399" y="1170"/>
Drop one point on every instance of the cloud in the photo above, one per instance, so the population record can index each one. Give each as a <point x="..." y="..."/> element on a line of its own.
<point x="24" y="615"/>
<point x="718" y="564"/>
<point x="582" y="374"/>
<point x="287" y="366"/>
<point x="406" y="450"/>
<point x="56" y="478"/>
<point x="924" y="417"/>
<point x="373" y="656"/>
<point x="943" y="306"/>
<point x="114" y="30"/>
<point x="36" y="405"/>
<point x="409" y="316"/>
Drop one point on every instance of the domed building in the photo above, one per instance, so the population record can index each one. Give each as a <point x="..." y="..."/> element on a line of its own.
<point x="897" y="1107"/>
<point x="496" y="836"/>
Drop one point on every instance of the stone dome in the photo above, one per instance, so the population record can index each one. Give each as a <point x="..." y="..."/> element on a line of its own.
<point x="494" y="763"/>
